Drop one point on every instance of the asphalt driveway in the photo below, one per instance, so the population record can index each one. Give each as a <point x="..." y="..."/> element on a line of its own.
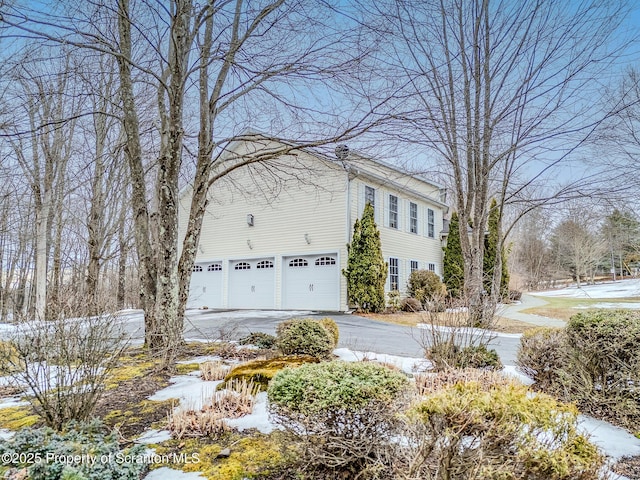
<point x="357" y="333"/>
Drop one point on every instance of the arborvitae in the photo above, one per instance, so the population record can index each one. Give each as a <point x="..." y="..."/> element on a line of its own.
<point x="490" y="252"/>
<point x="366" y="271"/>
<point x="453" y="268"/>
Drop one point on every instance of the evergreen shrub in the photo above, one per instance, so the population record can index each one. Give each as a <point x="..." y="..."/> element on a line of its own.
<point x="342" y="412"/>
<point x="472" y="429"/>
<point x="366" y="271"/>
<point x="425" y="286"/>
<point x="332" y="327"/>
<point x="304" y="337"/>
<point x="89" y="439"/>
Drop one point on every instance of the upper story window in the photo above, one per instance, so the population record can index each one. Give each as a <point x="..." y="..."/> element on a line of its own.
<point x="414" y="265"/>
<point x="242" y="266"/>
<point x="265" y="264"/>
<point x="413" y="217"/>
<point x="197" y="268"/>
<point x="393" y="211"/>
<point x="394" y="274"/>
<point x="214" y="267"/>
<point x="325" y="261"/>
<point x="431" y="223"/>
<point x="370" y="196"/>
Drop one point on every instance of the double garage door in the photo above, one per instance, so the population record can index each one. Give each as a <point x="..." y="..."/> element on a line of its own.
<point x="307" y="282"/>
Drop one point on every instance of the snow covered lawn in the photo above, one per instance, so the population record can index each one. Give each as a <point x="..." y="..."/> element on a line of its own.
<point x="619" y="289"/>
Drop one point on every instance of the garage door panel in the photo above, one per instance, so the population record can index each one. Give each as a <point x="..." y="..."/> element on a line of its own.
<point x="252" y="284"/>
<point x="205" y="288"/>
<point x="311" y="282"/>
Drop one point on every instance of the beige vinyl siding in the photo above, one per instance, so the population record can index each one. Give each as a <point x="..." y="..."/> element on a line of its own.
<point x="311" y="201"/>
<point x="400" y="243"/>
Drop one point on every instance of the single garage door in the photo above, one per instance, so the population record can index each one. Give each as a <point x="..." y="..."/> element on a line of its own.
<point x="252" y="283"/>
<point x="205" y="289"/>
<point x="311" y="282"/>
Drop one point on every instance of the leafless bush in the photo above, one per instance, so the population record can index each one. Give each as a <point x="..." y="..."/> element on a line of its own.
<point x="214" y="370"/>
<point x="430" y="382"/>
<point x="450" y="340"/>
<point x="63" y="364"/>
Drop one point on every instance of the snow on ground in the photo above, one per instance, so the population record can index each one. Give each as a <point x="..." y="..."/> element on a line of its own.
<point x="249" y="313"/>
<point x="6" y="434"/>
<point x="166" y="473"/>
<point x="476" y="332"/>
<point x="630" y="305"/>
<point x="406" y="364"/>
<point x="258" y="419"/>
<point x="154" y="436"/>
<point x="618" y="289"/>
<point x="12" y="402"/>
<point x="512" y="371"/>
<point x="614" y="441"/>
<point x="190" y="390"/>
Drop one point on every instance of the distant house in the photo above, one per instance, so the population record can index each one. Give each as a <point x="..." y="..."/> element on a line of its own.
<point x="275" y="235"/>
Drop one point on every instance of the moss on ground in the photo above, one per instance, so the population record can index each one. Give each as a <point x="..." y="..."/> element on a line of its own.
<point x="251" y="457"/>
<point x="262" y="371"/>
<point x="15" y="418"/>
<point x="185" y="368"/>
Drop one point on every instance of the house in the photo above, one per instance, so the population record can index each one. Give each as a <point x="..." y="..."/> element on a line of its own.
<point x="275" y="234"/>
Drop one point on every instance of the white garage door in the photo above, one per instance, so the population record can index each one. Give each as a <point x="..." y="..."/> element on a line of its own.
<point x="205" y="289"/>
<point x="311" y="282"/>
<point x="252" y="283"/>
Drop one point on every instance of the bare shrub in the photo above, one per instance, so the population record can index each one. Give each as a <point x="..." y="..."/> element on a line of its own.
<point x="543" y="356"/>
<point x="411" y="304"/>
<point x="450" y="340"/>
<point x="214" y="370"/>
<point x="64" y="365"/>
<point x="430" y="382"/>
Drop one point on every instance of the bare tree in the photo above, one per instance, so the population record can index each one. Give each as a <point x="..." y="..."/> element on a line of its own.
<point x="247" y="60"/>
<point x="500" y="91"/>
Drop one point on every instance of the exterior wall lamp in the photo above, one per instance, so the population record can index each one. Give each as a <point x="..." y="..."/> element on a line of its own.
<point x="307" y="239"/>
<point x="250" y="219"/>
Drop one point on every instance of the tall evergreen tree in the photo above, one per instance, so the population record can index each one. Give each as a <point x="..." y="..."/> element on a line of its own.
<point x="453" y="268"/>
<point x="491" y="252"/>
<point x="366" y="271"/>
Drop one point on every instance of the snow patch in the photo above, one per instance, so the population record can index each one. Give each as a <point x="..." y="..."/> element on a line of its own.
<point x="190" y="390"/>
<point x="406" y="364"/>
<point x="12" y="402"/>
<point x="258" y="419"/>
<point x="154" y="436"/>
<point x="628" y="306"/>
<point x="6" y="434"/>
<point x="619" y="289"/>
<point x="166" y="473"/>
<point x="475" y="332"/>
<point x="512" y="371"/>
<point x="614" y="441"/>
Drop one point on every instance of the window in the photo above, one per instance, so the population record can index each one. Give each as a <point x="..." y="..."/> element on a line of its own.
<point x="298" y="262"/>
<point x="432" y="267"/>
<point x="197" y="268"/>
<point x="370" y="196"/>
<point x="214" y="267"/>
<point x="393" y="211"/>
<point x="394" y="274"/>
<point x="431" y="223"/>
<point x="265" y="264"/>
<point x="242" y="266"/>
<point x="325" y="261"/>
<point x="413" y="217"/>
<point x="414" y="265"/>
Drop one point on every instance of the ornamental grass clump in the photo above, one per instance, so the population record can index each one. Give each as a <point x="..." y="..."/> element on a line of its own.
<point x="342" y="412"/>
